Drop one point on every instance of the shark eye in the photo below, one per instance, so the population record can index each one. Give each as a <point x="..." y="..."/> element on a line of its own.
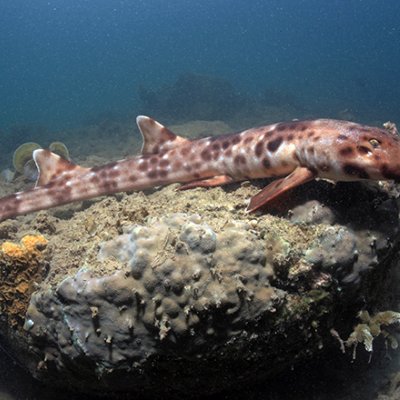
<point x="374" y="143"/>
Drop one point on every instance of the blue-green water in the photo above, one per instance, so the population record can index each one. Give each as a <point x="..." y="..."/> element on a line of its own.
<point x="63" y="62"/>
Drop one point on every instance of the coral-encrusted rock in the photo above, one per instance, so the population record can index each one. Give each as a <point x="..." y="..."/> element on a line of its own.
<point x="186" y="296"/>
<point x="202" y="301"/>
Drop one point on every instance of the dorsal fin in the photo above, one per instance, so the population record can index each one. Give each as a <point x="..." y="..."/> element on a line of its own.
<point x="51" y="165"/>
<point x="157" y="137"/>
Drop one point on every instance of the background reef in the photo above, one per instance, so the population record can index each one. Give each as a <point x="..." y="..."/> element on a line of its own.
<point x="195" y="96"/>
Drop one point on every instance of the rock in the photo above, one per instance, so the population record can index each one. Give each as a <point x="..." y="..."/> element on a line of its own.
<point x="184" y="293"/>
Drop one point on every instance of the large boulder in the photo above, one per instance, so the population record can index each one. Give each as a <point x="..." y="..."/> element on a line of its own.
<point x="184" y="292"/>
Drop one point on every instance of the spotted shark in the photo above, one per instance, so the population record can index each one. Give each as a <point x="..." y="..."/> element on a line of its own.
<point x="293" y="152"/>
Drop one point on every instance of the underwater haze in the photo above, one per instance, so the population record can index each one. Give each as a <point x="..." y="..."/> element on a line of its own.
<point x="80" y="71"/>
<point x="65" y="62"/>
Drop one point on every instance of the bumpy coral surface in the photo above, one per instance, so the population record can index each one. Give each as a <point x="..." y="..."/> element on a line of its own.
<point x="186" y="293"/>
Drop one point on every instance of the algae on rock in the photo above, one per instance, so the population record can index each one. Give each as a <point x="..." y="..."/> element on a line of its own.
<point x="154" y="299"/>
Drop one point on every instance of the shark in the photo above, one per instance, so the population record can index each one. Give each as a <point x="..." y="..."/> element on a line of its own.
<point x="292" y="152"/>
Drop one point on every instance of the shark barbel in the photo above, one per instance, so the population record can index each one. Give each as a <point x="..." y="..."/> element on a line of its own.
<point x="295" y="152"/>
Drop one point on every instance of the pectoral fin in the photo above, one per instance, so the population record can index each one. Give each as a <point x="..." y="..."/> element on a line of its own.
<point x="277" y="188"/>
<point x="212" y="182"/>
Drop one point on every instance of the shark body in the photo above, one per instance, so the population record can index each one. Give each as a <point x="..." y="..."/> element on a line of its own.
<point x="295" y="152"/>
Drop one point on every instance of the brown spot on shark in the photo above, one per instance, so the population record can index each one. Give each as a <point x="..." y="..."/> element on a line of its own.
<point x="347" y="151"/>
<point x="152" y="174"/>
<point x="206" y="155"/>
<point x="236" y="140"/>
<point x="216" y="146"/>
<point x="273" y="145"/>
<point x="269" y="134"/>
<point x="164" y="163"/>
<point x="266" y="163"/>
<point x="247" y="140"/>
<point x="225" y="144"/>
<point x="240" y="159"/>
<point x="185" y="150"/>
<point x="113" y="173"/>
<point x="163" y="173"/>
<point x="259" y="149"/>
<point x="143" y="166"/>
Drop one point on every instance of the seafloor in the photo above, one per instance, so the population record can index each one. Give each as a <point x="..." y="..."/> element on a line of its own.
<point x="332" y="376"/>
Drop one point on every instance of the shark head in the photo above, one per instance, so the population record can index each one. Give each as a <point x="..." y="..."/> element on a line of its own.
<point x="368" y="153"/>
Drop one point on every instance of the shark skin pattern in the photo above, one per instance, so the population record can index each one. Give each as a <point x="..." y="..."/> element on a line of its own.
<point x="296" y="152"/>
